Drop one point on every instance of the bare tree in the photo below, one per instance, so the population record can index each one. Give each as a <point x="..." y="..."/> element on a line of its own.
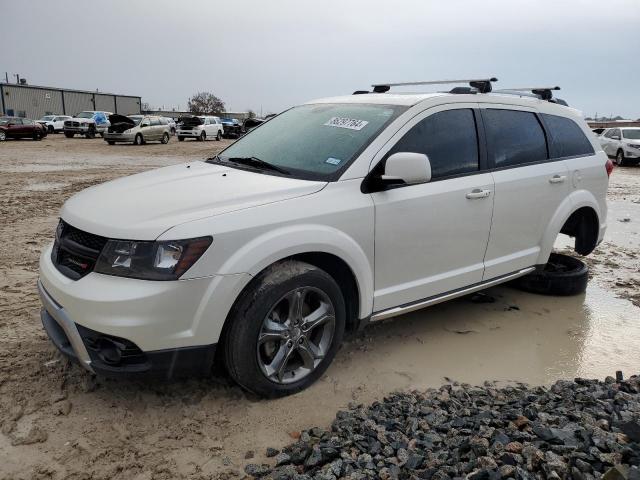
<point x="251" y="114"/>
<point x="205" y="103"/>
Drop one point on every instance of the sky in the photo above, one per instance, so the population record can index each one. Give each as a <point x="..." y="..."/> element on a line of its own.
<point x="269" y="55"/>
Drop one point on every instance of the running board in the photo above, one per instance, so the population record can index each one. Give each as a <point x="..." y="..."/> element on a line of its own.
<point x="410" y="307"/>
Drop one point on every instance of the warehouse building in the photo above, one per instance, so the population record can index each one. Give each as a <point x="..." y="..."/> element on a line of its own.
<point x="31" y="101"/>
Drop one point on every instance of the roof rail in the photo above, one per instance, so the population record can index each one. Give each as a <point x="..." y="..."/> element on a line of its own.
<point x="483" y="85"/>
<point x="545" y="93"/>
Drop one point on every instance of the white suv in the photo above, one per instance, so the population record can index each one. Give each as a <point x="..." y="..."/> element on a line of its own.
<point x="623" y="144"/>
<point x="199" y="128"/>
<point x="334" y="214"/>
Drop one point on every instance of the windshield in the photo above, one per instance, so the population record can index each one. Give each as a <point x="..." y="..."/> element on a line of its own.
<point x="136" y="120"/>
<point x="47" y="118"/>
<point x="85" y="115"/>
<point x="315" y="141"/>
<point x="631" y="134"/>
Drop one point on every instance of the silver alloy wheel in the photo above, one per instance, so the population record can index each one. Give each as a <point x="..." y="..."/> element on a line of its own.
<point x="296" y="335"/>
<point x="3" y="136"/>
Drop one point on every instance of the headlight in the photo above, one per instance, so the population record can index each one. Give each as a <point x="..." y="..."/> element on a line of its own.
<point x="166" y="260"/>
<point x="633" y="145"/>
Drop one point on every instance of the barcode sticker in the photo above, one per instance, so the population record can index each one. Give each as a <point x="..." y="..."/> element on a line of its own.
<point x="350" y="123"/>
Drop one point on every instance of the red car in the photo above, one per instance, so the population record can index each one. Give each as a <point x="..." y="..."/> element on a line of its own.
<point x="16" y="127"/>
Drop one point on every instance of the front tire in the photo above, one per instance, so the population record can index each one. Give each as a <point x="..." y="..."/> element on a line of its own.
<point x="219" y="136"/>
<point x="138" y="140"/>
<point x="285" y="329"/>
<point x="69" y="134"/>
<point x="202" y="137"/>
<point x="110" y="142"/>
<point x="91" y="133"/>
<point x="165" y="138"/>
<point x="180" y="138"/>
<point x="50" y="129"/>
<point x="620" y="160"/>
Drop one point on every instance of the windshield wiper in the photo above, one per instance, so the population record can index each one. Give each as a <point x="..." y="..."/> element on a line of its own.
<point x="257" y="163"/>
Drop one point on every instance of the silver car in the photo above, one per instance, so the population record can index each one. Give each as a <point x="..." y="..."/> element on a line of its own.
<point x="137" y="129"/>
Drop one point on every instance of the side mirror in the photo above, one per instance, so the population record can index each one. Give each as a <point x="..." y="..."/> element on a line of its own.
<point x="145" y="125"/>
<point x="407" y="167"/>
<point x="10" y="124"/>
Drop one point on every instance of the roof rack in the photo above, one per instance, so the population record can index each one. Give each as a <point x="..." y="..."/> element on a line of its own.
<point x="482" y="85"/>
<point x="543" y="93"/>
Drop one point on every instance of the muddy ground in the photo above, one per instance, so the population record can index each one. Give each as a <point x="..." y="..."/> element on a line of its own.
<point x="56" y="421"/>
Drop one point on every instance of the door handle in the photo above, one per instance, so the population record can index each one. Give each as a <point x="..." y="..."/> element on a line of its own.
<point x="558" y="179"/>
<point x="478" y="193"/>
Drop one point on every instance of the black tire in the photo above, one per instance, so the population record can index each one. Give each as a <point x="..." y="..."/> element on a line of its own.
<point x="180" y="138"/>
<point x="69" y="134"/>
<point x="218" y="136"/>
<point x="50" y="129"/>
<point x="91" y="133"/>
<point x="110" y="142"/>
<point x="37" y="136"/>
<point x="202" y="137"/>
<point x="138" y="140"/>
<point x="165" y="138"/>
<point x="562" y="275"/>
<point x="619" y="159"/>
<point x="240" y="342"/>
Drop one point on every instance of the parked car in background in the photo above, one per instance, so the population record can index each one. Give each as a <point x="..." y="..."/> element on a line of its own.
<point x="17" y="127"/>
<point x="231" y="127"/>
<point x="88" y="123"/>
<point x="137" y="129"/>
<point x="623" y="144"/>
<point x="598" y="131"/>
<point x="54" y="123"/>
<point x="172" y="124"/>
<point x="334" y="214"/>
<point x="251" y="123"/>
<point x="200" y="128"/>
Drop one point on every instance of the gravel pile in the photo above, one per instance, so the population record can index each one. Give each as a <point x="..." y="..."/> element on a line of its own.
<point x="581" y="430"/>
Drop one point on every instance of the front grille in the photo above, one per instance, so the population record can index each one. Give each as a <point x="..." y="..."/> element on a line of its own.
<point x="185" y="127"/>
<point x="69" y="123"/>
<point x="75" y="252"/>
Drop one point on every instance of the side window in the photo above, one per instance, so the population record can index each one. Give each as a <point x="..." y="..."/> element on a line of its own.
<point x="26" y="121"/>
<point x="448" y="138"/>
<point x="616" y="133"/>
<point x="16" y="121"/>
<point x="155" y="122"/>
<point x="514" y="137"/>
<point x="163" y="121"/>
<point x="567" y="137"/>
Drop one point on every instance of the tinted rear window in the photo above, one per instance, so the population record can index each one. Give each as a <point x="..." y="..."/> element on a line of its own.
<point x="449" y="140"/>
<point x="514" y="137"/>
<point x="567" y="138"/>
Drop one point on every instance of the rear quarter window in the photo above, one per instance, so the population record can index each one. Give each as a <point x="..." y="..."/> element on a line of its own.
<point x="567" y="138"/>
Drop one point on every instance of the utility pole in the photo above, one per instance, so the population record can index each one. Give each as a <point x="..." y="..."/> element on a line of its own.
<point x="6" y="77"/>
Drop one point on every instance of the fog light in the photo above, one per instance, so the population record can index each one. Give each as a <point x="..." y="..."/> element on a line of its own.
<point x="109" y="351"/>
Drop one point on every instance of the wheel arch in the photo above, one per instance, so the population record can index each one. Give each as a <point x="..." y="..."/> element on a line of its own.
<point x="578" y="216"/>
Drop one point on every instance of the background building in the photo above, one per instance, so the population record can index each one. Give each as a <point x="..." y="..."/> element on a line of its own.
<point x="33" y="101"/>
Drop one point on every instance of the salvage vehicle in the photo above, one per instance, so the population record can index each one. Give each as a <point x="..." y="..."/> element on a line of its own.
<point x="87" y="123"/>
<point x="623" y="144"/>
<point x="332" y="215"/>
<point x="172" y="125"/>
<point x="137" y="129"/>
<point x="200" y="128"/>
<point x="54" y="123"/>
<point x="17" y="127"/>
<point x="231" y="128"/>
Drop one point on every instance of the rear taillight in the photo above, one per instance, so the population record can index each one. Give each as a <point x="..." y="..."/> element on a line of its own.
<point x="609" y="167"/>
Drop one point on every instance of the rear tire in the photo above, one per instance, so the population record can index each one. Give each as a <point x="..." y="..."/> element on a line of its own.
<point x="619" y="159"/>
<point x="165" y="138"/>
<point x="219" y="136"/>
<point x="3" y="136"/>
<point x="111" y="142"/>
<point x="260" y="309"/>
<point x="91" y="133"/>
<point x="50" y="129"/>
<point x="69" y="134"/>
<point x="562" y="275"/>
<point x="138" y="140"/>
<point x="202" y="137"/>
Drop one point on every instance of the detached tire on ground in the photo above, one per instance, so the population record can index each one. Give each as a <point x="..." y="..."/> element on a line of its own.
<point x="562" y="275"/>
<point x="285" y="329"/>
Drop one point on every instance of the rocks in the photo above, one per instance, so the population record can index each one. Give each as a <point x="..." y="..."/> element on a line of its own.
<point x="573" y="430"/>
<point x="272" y="452"/>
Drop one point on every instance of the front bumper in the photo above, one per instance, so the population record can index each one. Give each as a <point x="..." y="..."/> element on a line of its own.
<point x="163" y="329"/>
<point x="119" y="137"/>
<point x="189" y="133"/>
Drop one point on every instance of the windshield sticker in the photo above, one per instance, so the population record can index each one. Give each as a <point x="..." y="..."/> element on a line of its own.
<point x="350" y="123"/>
<point x="333" y="161"/>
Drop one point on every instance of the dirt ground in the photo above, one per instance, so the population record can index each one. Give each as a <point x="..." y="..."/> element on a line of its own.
<point x="57" y="421"/>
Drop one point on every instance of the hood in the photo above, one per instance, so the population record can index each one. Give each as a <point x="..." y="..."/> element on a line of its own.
<point x="632" y="141"/>
<point x="191" y="121"/>
<point x="143" y="206"/>
<point x="120" y="123"/>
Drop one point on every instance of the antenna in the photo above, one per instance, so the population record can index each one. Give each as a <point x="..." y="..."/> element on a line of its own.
<point x="483" y="85"/>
